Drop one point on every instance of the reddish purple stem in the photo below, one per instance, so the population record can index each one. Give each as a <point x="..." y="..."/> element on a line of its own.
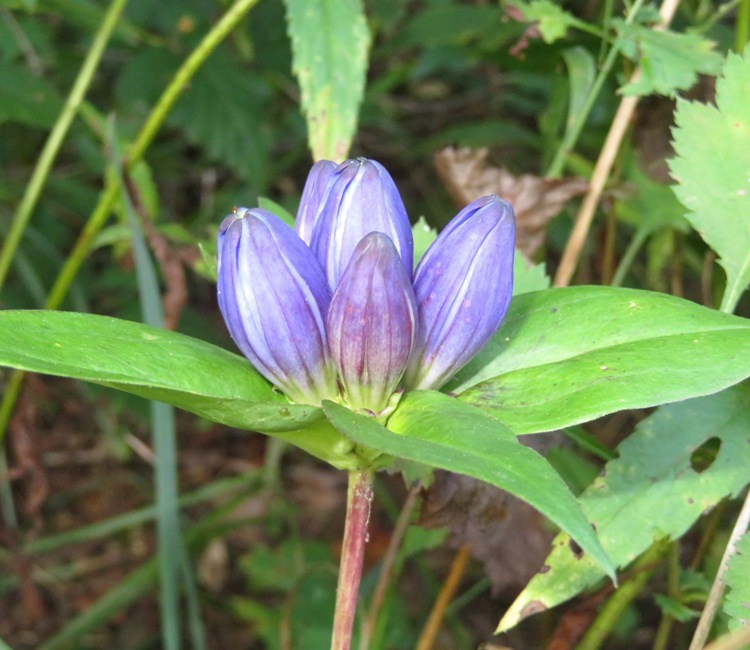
<point x="358" y="503"/>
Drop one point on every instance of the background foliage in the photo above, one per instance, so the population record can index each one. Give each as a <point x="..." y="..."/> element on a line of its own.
<point x="128" y="130"/>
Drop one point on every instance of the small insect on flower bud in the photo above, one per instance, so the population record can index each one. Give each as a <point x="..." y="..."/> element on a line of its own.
<point x="463" y="286"/>
<point x="274" y="298"/>
<point x="372" y="323"/>
<point x="361" y="198"/>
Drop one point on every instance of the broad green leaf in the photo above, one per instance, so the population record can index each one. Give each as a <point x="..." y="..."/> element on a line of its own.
<point x="553" y="21"/>
<point x="27" y="98"/>
<point x="650" y="491"/>
<point x="330" y="40"/>
<point x="223" y="109"/>
<point x="669" y="61"/>
<point x="165" y="366"/>
<point x="432" y="428"/>
<point x="581" y="76"/>
<point x="712" y="172"/>
<point x="737" y="604"/>
<point x="565" y="356"/>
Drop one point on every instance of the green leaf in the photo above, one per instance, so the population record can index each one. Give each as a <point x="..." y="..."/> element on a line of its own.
<point x="423" y="235"/>
<point x="669" y="61"/>
<point x="581" y="76"/>
<point x="553" y="20"/>
<point x="565" y="356"/>
<point x="330" y="40"/>
<point x="27" y="98"/>
<point x="712" y="172"/>
<point x="432" y="428"/>
<point x="528" y="277"/>
<point x="655" y="488"/>
<point x="165" y="366"/>
<point x="737" y="604"/>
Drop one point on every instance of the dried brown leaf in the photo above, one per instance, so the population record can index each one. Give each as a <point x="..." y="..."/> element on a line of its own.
<point x="508" y="536"/>
<point x="467" y="176"/>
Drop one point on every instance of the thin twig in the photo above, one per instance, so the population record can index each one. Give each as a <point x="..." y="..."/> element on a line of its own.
<point x="617" y="130"/>
<point x="450" y="586"/>
<point x="389" y="561"/>
<point x="717" y="589"/>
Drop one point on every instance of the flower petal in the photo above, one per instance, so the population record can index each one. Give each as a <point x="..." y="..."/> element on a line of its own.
<point x="463" y="286"/>
<point x="274" y="298"/>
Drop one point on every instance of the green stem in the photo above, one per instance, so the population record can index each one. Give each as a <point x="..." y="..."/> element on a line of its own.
<point x="57" y="135"/>
<point x="627" y="259"/>
<point x="107" y="199"/>
<point x="742" y="34"/>
<point x="359" y="499"/>
<point x="571" y="137"/>
<point x="612" y="611"/>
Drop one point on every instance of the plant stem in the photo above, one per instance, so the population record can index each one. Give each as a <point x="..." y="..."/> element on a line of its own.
<point x="57" y="135"/>
<point x="619" y="127"/>
<point x="742" y="33"/>
<point x="431" y="628"/>
<point x="358" y="502"/>
<point x="611" y="612"/>
<point x="389" y="562"/>
<point x="717" y="589"/>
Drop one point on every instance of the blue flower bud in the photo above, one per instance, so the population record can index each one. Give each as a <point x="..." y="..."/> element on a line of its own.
<point x="361" y="198"/>
<point x="372" y="323"/>
<point x="274" y="299"/>
<point x="463" y="286"/>
<point x="312" y="195"/>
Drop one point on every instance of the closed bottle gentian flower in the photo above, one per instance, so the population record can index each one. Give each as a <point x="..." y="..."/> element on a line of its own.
<point x="463" y="286"/>
<point x="372" y="323"/>
<point x="312" y="195"/>
<point x="274" y="298"/>
<point x="360" y="198"/>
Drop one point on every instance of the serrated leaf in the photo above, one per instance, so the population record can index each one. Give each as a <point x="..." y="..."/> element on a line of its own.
<point x="553" y="21"/>
<point x="432" y="428"/>
<point x="330" y="41"/>
<point x="168" y="367"/>
<point x="737" y="603"/>
<point x="650" y="491"/>
<point x="565" y="356"/>
<point x="224" y="111"/>
<point x="528" y="277"/>
<point x="712" y="169"/>
<point x="669" y="61"/>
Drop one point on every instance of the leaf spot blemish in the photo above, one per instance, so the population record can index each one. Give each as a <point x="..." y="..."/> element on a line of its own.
<point x="532" y="607"/>
<point x="575" y="549"/>
<point x="150" y="337"/>
<point x="602" y="367"/>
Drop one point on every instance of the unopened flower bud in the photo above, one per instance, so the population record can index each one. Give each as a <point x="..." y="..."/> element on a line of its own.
<point x="372" y="323"/>
<point x="274" y="298"/>
<point x="360" y="198"/>
<point x="463" y="286"/>
<point x="312" y="195"/>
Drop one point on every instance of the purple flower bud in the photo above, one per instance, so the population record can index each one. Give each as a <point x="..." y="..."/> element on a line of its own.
<point x="274" y="299"/>
<point x="312" y="195"/>
<point x="463" y="286"/>
<point x="361" y="198"/>
<point x="372" y="323"/>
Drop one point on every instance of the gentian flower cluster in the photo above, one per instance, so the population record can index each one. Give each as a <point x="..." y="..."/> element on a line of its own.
<point x="334" y="310"/>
